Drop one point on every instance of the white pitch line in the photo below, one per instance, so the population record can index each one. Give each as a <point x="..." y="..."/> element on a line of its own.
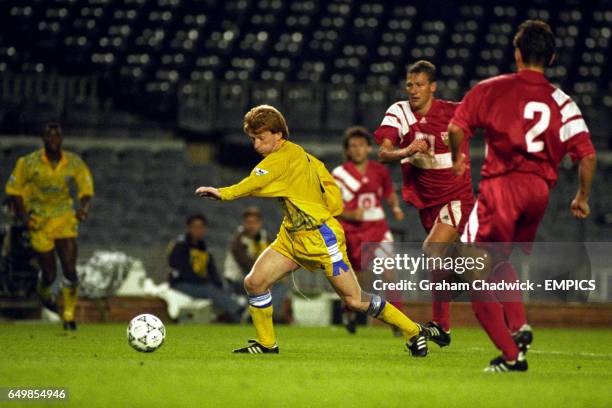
<point x="554" y="352"/>
<point x="565" y="353"/>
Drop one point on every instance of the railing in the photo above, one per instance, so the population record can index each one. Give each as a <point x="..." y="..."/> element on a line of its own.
<point x="313" y="107"/>
<point x="207" y="106"/>
<point x="57" y="90"/>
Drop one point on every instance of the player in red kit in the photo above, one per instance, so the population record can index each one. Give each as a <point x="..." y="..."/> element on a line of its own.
<point x="530" y="125"/>
<point x="364" y="184"/>
<point x="415" y="133"/>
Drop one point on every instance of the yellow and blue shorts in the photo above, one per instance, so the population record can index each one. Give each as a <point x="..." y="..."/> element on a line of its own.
<point x="322" y="248"/>
<point x="45" y="231"/>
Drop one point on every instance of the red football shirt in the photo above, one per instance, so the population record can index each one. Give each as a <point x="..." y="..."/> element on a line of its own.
<point x="529" y="124"/>
<point x="428" y="180"/>
<point x="364" y="191"/>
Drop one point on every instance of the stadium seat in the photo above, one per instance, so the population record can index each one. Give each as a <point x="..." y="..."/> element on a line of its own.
<point x="266" y="93"/>
<point x="154" y="47"/>
<point x="303" y="106"/>
<point x="371" y="104"/>
<point x="340" y="106"/>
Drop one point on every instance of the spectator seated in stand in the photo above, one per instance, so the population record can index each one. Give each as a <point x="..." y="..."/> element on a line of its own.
<point x="194" y="271"/>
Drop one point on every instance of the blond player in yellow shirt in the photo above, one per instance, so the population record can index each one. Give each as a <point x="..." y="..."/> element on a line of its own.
<point x="39" y="187"/>
<point x="309" y="237"/>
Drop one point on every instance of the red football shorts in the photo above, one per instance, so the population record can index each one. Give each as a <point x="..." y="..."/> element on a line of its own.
<point x="454" y="213"/>
<point x="355" y="249"/>
<point x="509" y="209"/>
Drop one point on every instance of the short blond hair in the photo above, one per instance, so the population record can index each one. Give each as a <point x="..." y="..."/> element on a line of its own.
<point x="265" y="117"/>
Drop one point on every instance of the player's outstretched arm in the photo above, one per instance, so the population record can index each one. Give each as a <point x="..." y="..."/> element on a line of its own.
<point x="258" y="179"/>
<point x="211" y="193"/>
<point x="586" y="170"/>
<point x="264" y="174"/>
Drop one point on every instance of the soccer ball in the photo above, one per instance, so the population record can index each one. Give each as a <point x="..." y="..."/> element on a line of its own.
<point x="146" y="333"/>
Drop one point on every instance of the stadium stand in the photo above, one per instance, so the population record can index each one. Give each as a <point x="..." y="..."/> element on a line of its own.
<point x="326" y="63"/>
<point x="197" y="65"/>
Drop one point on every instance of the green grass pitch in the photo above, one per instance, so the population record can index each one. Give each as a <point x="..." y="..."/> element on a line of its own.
<point x="316" y="367"/>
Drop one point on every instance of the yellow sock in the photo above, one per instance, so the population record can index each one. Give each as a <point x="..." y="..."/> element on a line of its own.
<point x="391" y="315"/>
<point x="70" y="302"/>
<point x="262" y="320"/>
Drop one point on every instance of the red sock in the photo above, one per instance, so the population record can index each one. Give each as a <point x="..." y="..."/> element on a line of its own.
<point x="440" y="306"/>
<point x="491" y="318"/>
<point x="511" y="301"/>
<point x="440" y="313"/>
<point x="398" y="305"/>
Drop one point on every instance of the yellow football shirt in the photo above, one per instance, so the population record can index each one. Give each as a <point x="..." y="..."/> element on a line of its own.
<point x="308" y="194"/>
<point x="46" y="190"/>
<point x="199" y="261"/>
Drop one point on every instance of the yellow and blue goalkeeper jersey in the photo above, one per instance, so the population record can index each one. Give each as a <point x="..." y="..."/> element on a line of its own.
<point x="45" y="190"/>
<point x="308" y="194"/>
